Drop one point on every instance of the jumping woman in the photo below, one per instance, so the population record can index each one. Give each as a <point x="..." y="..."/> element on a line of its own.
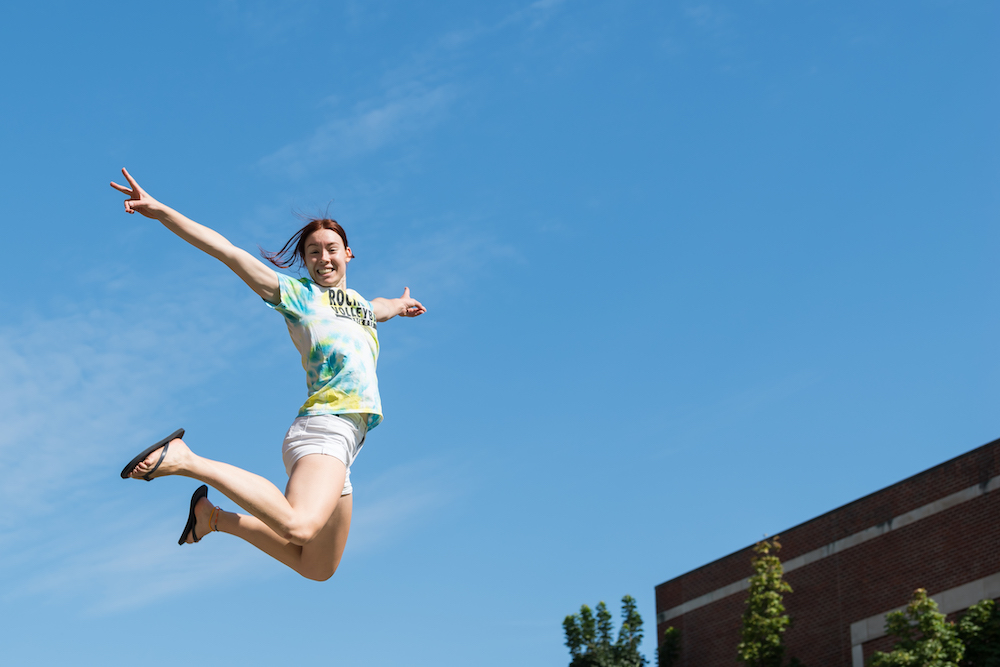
<point x="334" y="329"/>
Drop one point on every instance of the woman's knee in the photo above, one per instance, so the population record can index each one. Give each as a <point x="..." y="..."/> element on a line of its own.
<point x="319" y="573"/>
<point x="302" y="531"/>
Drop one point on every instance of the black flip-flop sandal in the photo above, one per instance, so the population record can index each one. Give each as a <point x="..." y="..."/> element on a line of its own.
<point x="198" y="494"/>
<point x="179" y="433"/>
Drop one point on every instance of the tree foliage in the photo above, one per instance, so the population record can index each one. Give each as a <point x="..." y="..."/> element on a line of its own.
<point x="589" y="637"/>
<point x="669" y="650"/>
<point x="926" y="638"/>
<point x="979" y="630"/>
<point x="764" y="619"/>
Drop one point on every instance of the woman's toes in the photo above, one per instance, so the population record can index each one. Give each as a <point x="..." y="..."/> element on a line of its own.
<point x="172" y="463"/>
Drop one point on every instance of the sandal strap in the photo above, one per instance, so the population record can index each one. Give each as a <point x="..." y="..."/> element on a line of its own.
<point x="163" y="454"/>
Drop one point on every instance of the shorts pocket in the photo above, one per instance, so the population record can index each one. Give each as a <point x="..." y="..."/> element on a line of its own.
<point x="297" y="428"/>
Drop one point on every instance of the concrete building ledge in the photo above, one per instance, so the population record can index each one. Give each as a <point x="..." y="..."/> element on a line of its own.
<point x="905" y="519"/>
<point x="951" y="600"/>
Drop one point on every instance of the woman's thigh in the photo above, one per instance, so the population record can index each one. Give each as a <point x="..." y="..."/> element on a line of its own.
<point x="313" y="490"/>
<point x="321" y="556"/>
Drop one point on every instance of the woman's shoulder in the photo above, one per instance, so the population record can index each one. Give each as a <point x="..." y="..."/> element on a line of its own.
<point x="297" y="294"/>
<point x="299" y="284"/>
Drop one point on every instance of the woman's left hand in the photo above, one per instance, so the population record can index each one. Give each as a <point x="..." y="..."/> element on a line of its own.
<point x="404" y="306"/>
<point x="410" y="307"/>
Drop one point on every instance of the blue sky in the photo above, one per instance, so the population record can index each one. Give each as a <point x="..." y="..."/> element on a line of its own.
<point x="695" y="272"/>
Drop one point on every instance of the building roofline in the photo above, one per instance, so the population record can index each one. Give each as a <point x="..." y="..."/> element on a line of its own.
<point x="922" y="473"/>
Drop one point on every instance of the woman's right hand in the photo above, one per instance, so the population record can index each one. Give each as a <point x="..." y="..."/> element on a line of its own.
<point x="139" y="200"/>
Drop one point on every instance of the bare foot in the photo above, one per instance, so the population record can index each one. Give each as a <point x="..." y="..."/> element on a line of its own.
<point x="175" y="462"/>
<point x="202" y="520"/>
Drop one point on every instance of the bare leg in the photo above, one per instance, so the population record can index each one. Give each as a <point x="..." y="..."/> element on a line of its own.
<point x="307" y="518"/>
<point x="316" y="560"/>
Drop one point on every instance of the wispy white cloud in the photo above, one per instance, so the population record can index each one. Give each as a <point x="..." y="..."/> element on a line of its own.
<point x="417" y="95"/>
<point x="534" y="16"/>
<point x="79" y="390"/>
<point x="124" y="560"/>
<point x="264" y="23"/>
<point x="531" y="17"/>
<point x="400" y="499"/>
<point x="370" y="126"/>
<point x="362" y="13"/>
<point x="75" y="384"/>
<point x="449" y="259"/>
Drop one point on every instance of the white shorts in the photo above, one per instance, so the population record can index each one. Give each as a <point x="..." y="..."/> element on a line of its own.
<point x="339" y="436"/>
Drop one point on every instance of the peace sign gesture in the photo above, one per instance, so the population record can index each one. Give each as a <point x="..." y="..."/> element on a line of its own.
<point x="139" y="200"/>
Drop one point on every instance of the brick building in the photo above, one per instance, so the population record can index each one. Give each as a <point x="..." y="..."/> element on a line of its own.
<point x="939" y="530"/>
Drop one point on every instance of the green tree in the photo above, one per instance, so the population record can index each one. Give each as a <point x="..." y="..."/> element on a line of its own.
<point x="926" y="639"/>
<point x="589" y="638"/>
<point x="979" y="630"/>
<point x="765" y="620"/>
<point x="669" y="651"/>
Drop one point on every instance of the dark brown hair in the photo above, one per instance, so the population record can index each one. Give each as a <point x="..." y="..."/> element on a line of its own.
<point x="294" y="251"/>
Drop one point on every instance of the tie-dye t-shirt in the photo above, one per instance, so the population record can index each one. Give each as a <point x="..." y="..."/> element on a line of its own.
<point x="334" y="331"/>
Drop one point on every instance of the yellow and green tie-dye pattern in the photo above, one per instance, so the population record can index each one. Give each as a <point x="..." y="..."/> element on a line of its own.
<point x="335" y="332"/>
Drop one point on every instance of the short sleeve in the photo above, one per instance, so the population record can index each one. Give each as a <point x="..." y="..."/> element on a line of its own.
<point x="294" y="297"/>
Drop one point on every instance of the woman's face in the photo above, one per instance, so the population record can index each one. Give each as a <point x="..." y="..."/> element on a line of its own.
<point x="327" y="258"/>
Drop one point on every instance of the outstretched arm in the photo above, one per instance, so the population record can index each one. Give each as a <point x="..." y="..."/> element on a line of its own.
<point x="404" y="306"/>
<point x="260" y="277"/>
